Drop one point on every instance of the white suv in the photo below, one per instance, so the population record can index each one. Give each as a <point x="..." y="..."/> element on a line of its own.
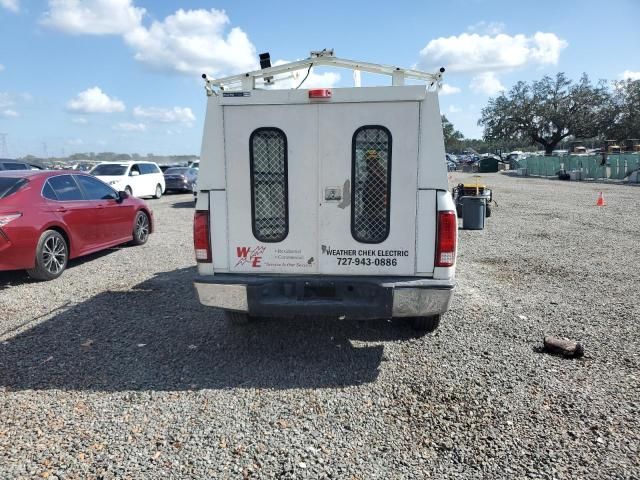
<point x="142" y="179"/>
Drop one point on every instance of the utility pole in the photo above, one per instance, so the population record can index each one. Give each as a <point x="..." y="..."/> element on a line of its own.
<point x="44" y="150"/>
<point x="4" y="150"/>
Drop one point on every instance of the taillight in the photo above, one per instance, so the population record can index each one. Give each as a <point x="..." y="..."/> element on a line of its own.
<point x="446" y="239"/>
<point x="201" y="242"/>
<point x="6" y="218"/>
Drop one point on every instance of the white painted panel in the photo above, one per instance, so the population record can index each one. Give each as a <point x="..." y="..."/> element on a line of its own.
<point x="297" y="253"/>
<point x="218" y="222"/>
<point x="211" y="174"/>
<point x="340" y="253"/>
<point x="339" y="95"/>
<point x="426" y="231"/>
<point x="432" y="168"/>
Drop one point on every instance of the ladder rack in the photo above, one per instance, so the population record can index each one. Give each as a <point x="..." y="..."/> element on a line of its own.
<point x="326" y="58"/>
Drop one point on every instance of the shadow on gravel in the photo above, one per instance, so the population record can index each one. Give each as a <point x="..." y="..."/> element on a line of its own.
<point x="18" y="277"/>
<point x="157" y="336"/>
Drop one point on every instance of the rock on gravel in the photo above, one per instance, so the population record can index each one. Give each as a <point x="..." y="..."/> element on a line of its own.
<point x="116" y="371"/>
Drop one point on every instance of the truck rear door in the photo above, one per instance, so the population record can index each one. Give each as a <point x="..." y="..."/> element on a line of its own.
<point x="368" y="160"/>
<point x="272" y="188"/>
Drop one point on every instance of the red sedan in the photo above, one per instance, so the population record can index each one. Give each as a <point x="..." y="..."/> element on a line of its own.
<point x="49" y="217"/>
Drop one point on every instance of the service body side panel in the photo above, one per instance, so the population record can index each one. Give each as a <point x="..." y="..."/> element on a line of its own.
<point x="211" y="175"/>
<point x="432" y="171"/>
<point x="218" y="222"/>
<point x="426" y="232"/>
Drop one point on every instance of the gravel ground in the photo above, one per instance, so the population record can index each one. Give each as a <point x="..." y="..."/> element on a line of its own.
<point x="116" y="371"/>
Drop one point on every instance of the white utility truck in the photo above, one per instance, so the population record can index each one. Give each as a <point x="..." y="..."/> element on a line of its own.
<point x="325" y="202"/>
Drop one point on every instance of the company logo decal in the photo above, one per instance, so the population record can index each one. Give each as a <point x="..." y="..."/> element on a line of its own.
<point x="250" y="255"/>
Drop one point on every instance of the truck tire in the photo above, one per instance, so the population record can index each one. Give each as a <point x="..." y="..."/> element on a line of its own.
<point x="488" y="214"/>
<point x="425" y="324"/>
<point x="236" y="318"/>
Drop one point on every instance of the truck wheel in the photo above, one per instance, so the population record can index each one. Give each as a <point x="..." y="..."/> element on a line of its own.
<point x="236" y="318"/>
<point x="488" y="211"/>
<point x="425" y="324"/>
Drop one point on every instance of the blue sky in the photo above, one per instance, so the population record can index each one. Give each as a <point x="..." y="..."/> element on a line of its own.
<point x="123" y="75"/>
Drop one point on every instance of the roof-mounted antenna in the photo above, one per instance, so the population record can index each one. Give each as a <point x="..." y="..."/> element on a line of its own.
<point x="438" y="78"/>
<point x="207" y="85"/>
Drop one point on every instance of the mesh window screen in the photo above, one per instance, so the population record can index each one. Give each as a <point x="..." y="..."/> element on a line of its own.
<point x="371" y="174"/>
<point x="268" y="158"/>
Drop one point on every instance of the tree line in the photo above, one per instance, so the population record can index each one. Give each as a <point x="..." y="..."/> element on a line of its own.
<point x="553" y="111"/>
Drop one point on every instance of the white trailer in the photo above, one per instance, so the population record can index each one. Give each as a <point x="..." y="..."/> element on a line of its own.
<point x="328" y="202"/>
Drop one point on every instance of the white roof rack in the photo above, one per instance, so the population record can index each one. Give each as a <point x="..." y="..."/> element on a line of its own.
<point x="325" y="57"/>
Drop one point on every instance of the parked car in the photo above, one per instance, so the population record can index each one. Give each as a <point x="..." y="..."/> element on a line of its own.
<point x="16" y="165"/>
<point x="141" y="179"/>
<point x="167" y="166"/>
<point x="183" y="179"/>
<point x="49" y="217"/>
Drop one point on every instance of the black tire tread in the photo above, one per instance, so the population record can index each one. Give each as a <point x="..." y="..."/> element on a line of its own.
<point x="236" y="318"/>
<point x="135" y="240"/>
<point x="425" y="324"/>
<point x="38" y="272"/>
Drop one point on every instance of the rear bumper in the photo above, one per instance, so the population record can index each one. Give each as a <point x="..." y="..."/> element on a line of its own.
<point x="340" y="296"/>
<point x="16" y="255"/>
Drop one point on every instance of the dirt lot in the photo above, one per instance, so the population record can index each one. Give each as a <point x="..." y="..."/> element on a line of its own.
<point x="116" y="371"/>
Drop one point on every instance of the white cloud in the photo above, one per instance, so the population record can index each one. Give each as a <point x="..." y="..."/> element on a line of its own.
<point x="13" y="5"/>
<point x="314" y="80"/>
<point x="454" y="109"/>
<point x="75" y="141"/>
<point x="130" y="127"/>
<point x="448" y="89"/>
<point x="8" y="113"/>
<point x="80" y="120"/>
<point x="5" y="100"/>
<point x="486" y="83"/>
<point x="485" y="53"/>
<point x="94" y="100"/>
<point x="165" y="115"/>
<point x="1" y="67"/>
<point x="629" y="75"/>
<point x="488" y="28"/>
<point x="93" y="17"/>
<point x="187" y="41"/>
<point x="193" y="42"/>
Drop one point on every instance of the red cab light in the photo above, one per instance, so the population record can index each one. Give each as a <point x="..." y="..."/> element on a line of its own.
<point x="447" y="238"/>
<point x="201" y="242"/>
<point x="320" y="93"/>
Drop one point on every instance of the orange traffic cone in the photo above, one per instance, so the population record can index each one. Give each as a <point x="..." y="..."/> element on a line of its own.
<point x="600" y="202"/>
